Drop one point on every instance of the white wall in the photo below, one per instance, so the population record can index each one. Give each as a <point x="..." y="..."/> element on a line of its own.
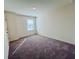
<point x="58" y="24"/>
<point x="17" y="26"/>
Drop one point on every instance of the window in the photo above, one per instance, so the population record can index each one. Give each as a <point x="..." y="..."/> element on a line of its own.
<point x="30" y="25"/>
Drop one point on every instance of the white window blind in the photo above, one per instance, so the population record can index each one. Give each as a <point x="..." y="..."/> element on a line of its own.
<point x="30" y="25"/>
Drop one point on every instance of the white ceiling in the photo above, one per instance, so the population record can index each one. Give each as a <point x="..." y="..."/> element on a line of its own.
<point x="25" y="6"/>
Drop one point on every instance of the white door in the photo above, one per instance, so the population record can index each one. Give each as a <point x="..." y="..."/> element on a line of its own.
<point x="6" y="42"/>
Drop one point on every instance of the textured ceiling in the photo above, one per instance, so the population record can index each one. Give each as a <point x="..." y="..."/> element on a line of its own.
<point x="25" y="6"/>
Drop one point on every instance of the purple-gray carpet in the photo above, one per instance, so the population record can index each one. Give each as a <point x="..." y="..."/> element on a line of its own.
<point x="39" y="47"/>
